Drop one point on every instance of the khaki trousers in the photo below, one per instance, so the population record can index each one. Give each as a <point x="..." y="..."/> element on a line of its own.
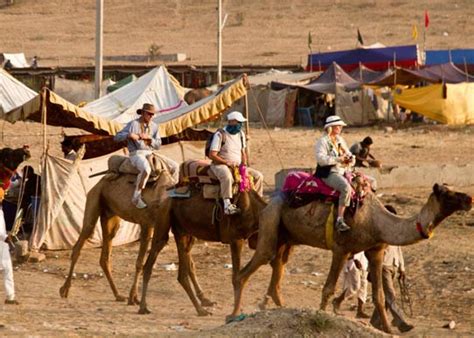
<point x="339" y="183"/>
<point x="226" y="179"/>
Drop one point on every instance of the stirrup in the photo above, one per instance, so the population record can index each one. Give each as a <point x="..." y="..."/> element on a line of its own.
<point x="231" y="210"/>
<point x="139" y="203"/>
<point x="341" y="226"/>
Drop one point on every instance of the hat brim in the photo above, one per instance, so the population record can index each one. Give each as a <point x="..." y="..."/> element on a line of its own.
<point x="337" y="123"/>
<point x="141" y="111"/>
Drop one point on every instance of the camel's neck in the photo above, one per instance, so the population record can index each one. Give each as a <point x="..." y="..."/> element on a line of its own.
<point x="395" y="230"/>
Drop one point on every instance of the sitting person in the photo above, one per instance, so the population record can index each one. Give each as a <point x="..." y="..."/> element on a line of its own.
<point x="364" y="158"/>
<point x="227" y="151"/>
<point x="143" y="137"/>
<point x="333" y="159"/>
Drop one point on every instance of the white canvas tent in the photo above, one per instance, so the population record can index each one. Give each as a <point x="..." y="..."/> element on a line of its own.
<point x="17" y="60"/>
<point x="157" y="87"/>
<point x="13" y="93"/>
<point x="272" y="104"/>
<point x="63" y="197"/>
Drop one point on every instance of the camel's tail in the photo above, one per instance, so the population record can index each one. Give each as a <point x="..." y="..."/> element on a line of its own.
<point x="268" y="228"/>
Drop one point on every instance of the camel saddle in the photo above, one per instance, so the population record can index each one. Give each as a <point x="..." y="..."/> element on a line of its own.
<point x="197" y="173"/>
<point x="301" y="188"/>
<point x="122" y="165"/>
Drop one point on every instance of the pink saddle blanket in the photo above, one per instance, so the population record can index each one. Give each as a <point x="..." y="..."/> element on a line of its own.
<point x="300" y="182"/>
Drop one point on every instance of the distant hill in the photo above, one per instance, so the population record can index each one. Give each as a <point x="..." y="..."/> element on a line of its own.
<point x="61" y="32"/>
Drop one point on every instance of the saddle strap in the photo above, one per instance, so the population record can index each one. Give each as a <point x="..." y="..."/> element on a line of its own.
<point x="330" y="228"/>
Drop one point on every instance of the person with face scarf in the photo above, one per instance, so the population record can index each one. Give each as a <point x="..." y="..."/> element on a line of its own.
<point x="227" y="151"/>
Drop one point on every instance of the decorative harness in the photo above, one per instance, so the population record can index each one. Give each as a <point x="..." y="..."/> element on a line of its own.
<point x="423" y="234"/>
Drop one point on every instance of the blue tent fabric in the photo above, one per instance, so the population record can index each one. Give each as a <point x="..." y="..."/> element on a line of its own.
<point x="456" y="56"/>
<point x="374" y="58"/>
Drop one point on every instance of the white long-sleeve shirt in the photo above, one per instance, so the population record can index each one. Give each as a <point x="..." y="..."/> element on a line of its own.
<point x="393" y="257"/>
<point x="135" y="127"/>
<point x="327" y="153"/>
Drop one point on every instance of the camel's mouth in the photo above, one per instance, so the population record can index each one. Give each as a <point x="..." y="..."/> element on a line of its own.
<point x="468" y="204"/>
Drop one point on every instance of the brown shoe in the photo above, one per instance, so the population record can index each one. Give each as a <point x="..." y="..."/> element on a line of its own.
<point x="11" y="302"/>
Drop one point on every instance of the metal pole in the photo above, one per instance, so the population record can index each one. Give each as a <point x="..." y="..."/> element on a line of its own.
<point x="247" y="127"/>
<point x="219" y="41"/>
<point x="99" y="30"/>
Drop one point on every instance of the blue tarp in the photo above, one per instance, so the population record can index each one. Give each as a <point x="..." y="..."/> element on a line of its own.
<point x="373" y="58"/>
<point x="456" y="56"/>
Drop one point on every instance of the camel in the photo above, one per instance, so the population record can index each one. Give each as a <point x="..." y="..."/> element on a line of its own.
<point x="195" y="95"/>
<point x="192" y="218"/>
<point x="111" y="200"/>
<point x="372" y="228"/>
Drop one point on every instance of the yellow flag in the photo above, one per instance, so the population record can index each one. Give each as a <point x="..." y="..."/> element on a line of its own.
<point x="414" y="32"/>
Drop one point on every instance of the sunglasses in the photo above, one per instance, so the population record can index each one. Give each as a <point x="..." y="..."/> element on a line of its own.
<point x="149" y="114"/>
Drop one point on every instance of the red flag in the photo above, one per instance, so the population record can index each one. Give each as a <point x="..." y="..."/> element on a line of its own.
<point x="427" y="19"/>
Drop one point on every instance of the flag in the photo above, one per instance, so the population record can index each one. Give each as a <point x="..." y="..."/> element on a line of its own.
<point x="310" y="40"/>
<point x="427" y="19"/>
<point x="359" y="37"/>
<point x="414" y="32"/>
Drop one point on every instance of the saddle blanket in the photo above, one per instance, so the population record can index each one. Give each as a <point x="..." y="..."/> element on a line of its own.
<point x="123" y="165"/>
<point x="301" y="188"/>
<point x="196" y="171"/>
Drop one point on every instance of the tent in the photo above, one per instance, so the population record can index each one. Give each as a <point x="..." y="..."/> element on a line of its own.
<point x="334" y="76"/>
<point x="78" y="92"/>
<point x="446" y="72"/>
<point x="13" y="93"/>
<point x="277" y="106"/>
<point x="119" y="84"/>
<point x="379" y="58"/>
<point x="446" y="103"/>
<point x="463" y="58"/>
<point x="157" y="87"/>
<point x="17" y="60"/>
<point x="63" y="197"/>
<point x="366" y="75"/>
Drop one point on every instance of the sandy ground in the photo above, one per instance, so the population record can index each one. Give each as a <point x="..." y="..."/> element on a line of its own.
<point x="440" y="271"/>
<point x="257" y="32"/>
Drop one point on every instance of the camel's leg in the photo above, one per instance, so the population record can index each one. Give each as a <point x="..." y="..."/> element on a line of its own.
<point x="110" y="227"/>
<point x="183" y="243"/>
<point x="278" y="268"/>
<point x="375" y="257"/>
<point x="160" y="238"/>
<point x="338" y="260"/>
<point x="145" y="238"/>
<point x="192" y="274"/>
<point x="236" y="253"/>
<point x="91" y="215"/>
<point x="269" y="222"/>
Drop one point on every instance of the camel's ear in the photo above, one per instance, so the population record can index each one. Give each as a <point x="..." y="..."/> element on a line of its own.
<point x="436" y="189"/>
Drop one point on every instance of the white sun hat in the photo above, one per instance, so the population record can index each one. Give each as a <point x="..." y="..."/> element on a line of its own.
<point x="235" y="115"/>
<point x="334" y="120"/>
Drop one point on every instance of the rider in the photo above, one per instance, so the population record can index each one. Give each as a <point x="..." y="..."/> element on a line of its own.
<point x="333" y="159"/>
<point x="142" y="137"/>
<point x="231" y="153"/>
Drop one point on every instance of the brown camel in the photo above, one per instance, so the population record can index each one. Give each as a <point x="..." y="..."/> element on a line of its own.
<point x="372" y="228"/>
<point x="111" y="200"/>
<point x="195" y="95"/>
<point x="192" y="218"/>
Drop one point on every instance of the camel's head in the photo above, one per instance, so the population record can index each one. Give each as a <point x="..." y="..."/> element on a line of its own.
<point x="450" y="201"/>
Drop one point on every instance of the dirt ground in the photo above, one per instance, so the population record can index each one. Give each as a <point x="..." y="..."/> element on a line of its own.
<point x="264" y="32"/>
<point x="440" y="270"/>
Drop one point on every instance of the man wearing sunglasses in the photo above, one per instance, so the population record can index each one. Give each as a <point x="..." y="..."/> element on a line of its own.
<point x="142" y="137"/>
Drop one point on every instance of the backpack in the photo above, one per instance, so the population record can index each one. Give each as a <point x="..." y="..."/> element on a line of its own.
<point x="207" y="149"/>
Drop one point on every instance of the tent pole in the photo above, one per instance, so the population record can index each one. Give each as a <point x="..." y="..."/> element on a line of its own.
<point x="465" y="69"/>
<point x="99" y="30"/>
<point x="247" y="127"/>
<point x="44" y="117"/>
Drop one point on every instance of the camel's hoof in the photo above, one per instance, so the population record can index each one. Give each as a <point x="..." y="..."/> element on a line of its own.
<point x="63" y="292"/>
<point x="144" y="311"/>
<point x="207" y="302"/>
<point x="335" y="307"/>
<point x="120" y="298"/>
<point x="133" y="301"/>
<point x="203" y="312"/>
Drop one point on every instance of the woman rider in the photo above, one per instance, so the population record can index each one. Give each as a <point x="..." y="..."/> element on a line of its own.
<point x="333" y="159"/>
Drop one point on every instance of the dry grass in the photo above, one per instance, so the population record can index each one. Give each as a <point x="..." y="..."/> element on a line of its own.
<point x="62" y="32"/>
